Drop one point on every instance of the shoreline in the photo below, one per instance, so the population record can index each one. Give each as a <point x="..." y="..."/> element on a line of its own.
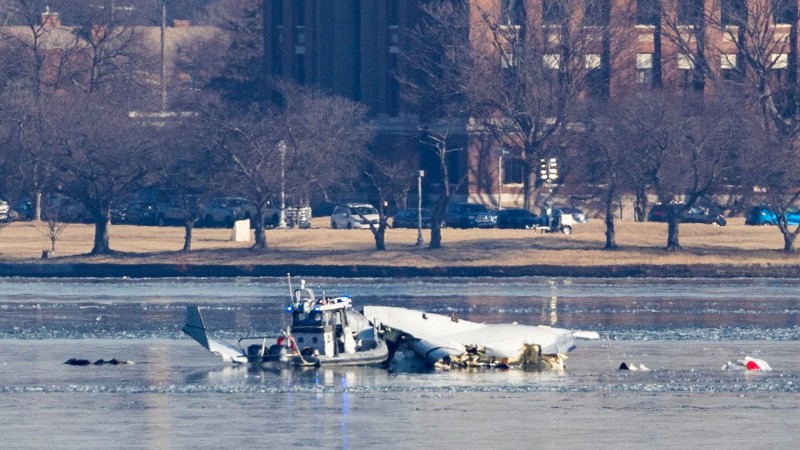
<point x="171" y="270"/>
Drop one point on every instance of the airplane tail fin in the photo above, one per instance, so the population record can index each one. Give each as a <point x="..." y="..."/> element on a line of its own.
<point x="196" y="329"/>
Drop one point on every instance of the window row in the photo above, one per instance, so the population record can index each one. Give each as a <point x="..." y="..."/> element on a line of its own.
<point x="732" y="12"/>
<point x="728" y="65"/>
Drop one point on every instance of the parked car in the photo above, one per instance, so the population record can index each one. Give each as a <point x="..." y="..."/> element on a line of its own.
<point x="227" y="210"/>
<point x="61" y="208"/>
<point x="470" y="215"/>
<point x="354" y="215"/>
<point x="517" y="218"/>
<point x="299" y="217"/>
<point x="763" y="215"/>
<point x="409" y="218"/>
<point x="695" y="214"/>
<point x="4" y="209"/>
<point x="23" y="210"/>
<point x="577" y="214"/>
<point x="141" y="212"/>
<point x="170" y="212"/>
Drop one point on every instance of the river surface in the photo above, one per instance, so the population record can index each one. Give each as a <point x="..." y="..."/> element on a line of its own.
<point x="177" y="395"/>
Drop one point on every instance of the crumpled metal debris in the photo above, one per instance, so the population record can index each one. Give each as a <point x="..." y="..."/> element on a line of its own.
<point x="530" y="358"/>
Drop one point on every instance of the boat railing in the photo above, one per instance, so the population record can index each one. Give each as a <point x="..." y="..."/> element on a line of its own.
<point x="263" y="339"/>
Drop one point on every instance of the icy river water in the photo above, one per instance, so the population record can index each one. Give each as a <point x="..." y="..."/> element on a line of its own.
<point x="179" y="396"/>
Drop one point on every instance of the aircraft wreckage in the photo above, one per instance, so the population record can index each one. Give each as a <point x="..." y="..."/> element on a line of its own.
<point x="421" y="339"/>
<point x="329" y="331"/>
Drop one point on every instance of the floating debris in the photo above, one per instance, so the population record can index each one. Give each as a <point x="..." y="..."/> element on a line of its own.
<point x="633" y="367"/>
<point x="748" y="363"/>
<point x="99" y="362"/>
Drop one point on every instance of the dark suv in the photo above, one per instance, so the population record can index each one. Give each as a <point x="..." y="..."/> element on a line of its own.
<point x="470" y="215"/>
<point x="695" y="214"/>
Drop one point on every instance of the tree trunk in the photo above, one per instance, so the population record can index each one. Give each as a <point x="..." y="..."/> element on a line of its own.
<point x="437" y="217"/>
<point x="37" y="208"/>
<point x="611" y="239"/>
<point x="101" y="246"/>
<point x="530" y="184"/>
<point x="788" y="240"/>
<point x="380" y="238"/>
<point x="187" y="237"/>
<point x="640" y="205"/>
<point x="673" y="243"/>
<point x="260" y="234"/>
<point x="436" y="237"/>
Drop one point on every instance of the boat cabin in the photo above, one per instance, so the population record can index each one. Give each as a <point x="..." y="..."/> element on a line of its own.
<point x="321" y="327"/>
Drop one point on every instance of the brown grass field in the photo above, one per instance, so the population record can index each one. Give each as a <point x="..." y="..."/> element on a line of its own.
<point x="640" y="244"/>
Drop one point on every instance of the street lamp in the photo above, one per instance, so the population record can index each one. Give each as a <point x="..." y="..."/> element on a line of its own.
<point x="419" y="207"/>
<point x="282" y="149"/>
<point x="500" y="153"/>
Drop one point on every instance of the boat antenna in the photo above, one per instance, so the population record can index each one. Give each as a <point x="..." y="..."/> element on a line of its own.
<point x="289" y="280"/>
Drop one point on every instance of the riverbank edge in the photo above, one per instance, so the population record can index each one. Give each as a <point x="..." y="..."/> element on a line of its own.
<point x="165" y="270"/>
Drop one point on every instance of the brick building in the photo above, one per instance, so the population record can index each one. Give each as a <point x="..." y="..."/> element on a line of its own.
<point x="353" y="48"/>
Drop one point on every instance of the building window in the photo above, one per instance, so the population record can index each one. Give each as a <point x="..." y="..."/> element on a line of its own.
<point x="596" y="12"/>
<point x="690" y="12"/>
<point x="685" y="62"/>
<point x="689" y="78"/>
<point x="553" y="11"/>
<point x="685" y="69"/>
<point x="734" y="12"/>
<point x="394" y="86"/>
<point x="779" y="61"/>
<point x="394" y="14"/>
<point x="513" y="12"/>
<point x="300" y="13"/>
<point x="596" y="83"/>
<point x="596" y="79"/>
<point x="552" y="61"/>
<point x="277" y="37"/>
<point x="784" y="11"/>
<point x="299" y="68"/>
<point x="513" y="170"/>
<point x="277" y="13"/>
<point x="648" y="12"/>
<point x="730" y="71"/>
<point x="644" y="69"/>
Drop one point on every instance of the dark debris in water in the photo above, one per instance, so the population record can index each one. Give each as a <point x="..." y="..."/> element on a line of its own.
<point x="99" y="362"/>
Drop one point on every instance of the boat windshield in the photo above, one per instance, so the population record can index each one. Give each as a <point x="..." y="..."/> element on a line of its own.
<point x="310" y="319"/>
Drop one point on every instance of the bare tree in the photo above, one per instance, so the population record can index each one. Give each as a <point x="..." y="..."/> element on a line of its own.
<point x="388" y="174"/>
<point x="105" y="51"/>
<point x="435" y="85"/>
<point x="96" y="164"/>
<point x="241" y="78"/>
<point x="756" y="44"/>
<point x="192" y="169"/>
<point x="686" y="149"/>
<point x="54" y="224"/>
<point x="32" y="45"/>
<point x="313" y="140"/>
<point x="606" y="162"/>
<point x="774" y="173"/>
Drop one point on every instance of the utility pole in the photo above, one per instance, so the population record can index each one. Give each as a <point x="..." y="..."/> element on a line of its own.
<point x="419" y="208"/>
<point x="163" y="56"/>
<point x="500" y="154"/>
<point x="282" y="149"/>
